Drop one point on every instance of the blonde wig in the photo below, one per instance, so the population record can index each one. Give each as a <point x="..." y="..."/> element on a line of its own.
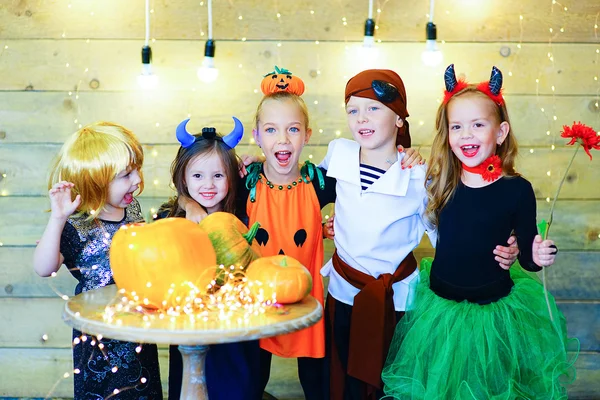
<point x="91" y="158"/>
<point x="444" y="169"/>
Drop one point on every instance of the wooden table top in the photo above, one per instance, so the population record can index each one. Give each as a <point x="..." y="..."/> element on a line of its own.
<point x="86" y="312"/>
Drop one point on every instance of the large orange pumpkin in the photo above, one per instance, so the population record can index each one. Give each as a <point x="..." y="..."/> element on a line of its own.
<point x="280" y="276"/>
<point x="151" y="259"/>
<point x="281" y="80"/>
<point x="234" y="244"/>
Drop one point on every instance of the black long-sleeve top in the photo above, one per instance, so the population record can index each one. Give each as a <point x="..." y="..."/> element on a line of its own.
<point x="470" y="226"/>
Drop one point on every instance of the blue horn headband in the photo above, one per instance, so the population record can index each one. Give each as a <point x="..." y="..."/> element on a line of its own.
<point x="187" y="139"/>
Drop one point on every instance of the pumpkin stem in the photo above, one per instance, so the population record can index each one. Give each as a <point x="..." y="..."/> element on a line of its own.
<point x="283" y="262"/>
<point x="249" y="236"/>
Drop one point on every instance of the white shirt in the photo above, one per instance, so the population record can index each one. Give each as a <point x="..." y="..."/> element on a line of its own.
<point x="377" y="228"/>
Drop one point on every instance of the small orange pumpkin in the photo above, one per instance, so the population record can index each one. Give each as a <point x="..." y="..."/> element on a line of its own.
<point x="234" y="244"/>
<point x="280" y="276"/>
<point x="151" y="259"/>
<point x="281" y="80"/>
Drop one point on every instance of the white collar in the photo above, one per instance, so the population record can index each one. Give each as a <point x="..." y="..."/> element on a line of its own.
<point x="345" y="166"/>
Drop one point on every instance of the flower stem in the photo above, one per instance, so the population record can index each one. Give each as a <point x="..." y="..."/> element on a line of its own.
<point x="546" y="294"/>
<point x="560" y="185"/>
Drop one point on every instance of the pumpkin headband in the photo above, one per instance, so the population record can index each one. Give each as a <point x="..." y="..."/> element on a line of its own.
<point x="491" y="88"/>
<point x="281" y="80"/>
<point x="231" y="140"/>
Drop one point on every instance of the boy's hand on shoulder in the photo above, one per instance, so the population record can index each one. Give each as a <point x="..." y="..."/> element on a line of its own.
<point x="61" y="204"/>
<point x="328" y="231"/>
<point x="543" y="252"/>
<point x="412" y="157"/>
<point x="247" y="159"/>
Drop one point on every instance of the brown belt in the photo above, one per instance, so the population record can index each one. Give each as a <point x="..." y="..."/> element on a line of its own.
<point x="373" y="317"/>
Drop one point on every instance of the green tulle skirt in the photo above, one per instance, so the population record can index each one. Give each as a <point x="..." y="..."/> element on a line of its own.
<point x="505" y="350"/>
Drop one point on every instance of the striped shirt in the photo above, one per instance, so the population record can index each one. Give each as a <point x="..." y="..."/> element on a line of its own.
<point x="368" y="175"/>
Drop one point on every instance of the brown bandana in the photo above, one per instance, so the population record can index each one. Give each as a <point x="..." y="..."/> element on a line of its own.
<point x="360" y="86"/>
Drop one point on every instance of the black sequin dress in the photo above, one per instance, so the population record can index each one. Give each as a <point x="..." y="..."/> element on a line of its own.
<point x="106" y="367"/>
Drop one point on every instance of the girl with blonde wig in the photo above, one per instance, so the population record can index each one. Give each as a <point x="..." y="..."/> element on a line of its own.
<point x="92" y="186"/>
<point x="91" y="158"/>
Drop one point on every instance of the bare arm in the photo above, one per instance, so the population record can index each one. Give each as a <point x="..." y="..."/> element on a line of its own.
<point x="47" y="258"/>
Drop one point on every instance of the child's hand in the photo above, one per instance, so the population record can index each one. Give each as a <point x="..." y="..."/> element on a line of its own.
<point x="195" y="212"/>
<point x="60" y="200"/>
<point x="328" y="229"/>
<point x="412" y="157"/>
<point x="506" y="256"/>
<point x="247" y="160"/>
<point x="543" y="251"/>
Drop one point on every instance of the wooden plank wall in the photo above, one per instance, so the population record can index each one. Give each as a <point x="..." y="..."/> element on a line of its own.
<point x="65" y="63"/>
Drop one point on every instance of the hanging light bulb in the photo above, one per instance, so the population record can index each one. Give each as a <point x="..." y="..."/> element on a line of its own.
<point x="369" y="39"/>
<point x="147" y="80"/>
<point x="432" y="56"/>
<point x="368" y="53"/>
<point x="207" y="71"/>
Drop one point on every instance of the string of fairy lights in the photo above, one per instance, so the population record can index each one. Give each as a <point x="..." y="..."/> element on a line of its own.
<point x="281" y="18"/>
<point x="553" y="33"/>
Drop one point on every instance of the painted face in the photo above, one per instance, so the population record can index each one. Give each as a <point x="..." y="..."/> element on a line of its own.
<point x="120" y="193"/>
<point x="373" y="125"/>
<point x="281" y="134"/>
<point x="474" y="129"/>
<point x="207" y="181"/>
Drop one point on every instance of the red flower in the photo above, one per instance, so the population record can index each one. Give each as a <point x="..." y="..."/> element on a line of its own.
<point x="582" y="134"/>
<point x="491" y="168"/>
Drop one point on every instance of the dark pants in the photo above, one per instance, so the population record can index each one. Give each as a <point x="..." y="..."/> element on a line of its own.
<point x="338" y="317"/>
<point x="310" y="372"/>
<point x="232" y="371"/>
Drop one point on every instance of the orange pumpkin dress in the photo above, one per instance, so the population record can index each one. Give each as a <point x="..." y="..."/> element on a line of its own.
<point x="290" y="220"/>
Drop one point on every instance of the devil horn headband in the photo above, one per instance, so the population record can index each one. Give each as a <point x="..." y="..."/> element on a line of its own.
<point x="186" y="139"/>
<point x="453" y="85"/>
<point x="450" y="78"/>
<point x="492" y="88"/>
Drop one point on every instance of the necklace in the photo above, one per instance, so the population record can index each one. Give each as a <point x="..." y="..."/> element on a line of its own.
<point x="489" y="170"/>
<point x="280" y="187"/>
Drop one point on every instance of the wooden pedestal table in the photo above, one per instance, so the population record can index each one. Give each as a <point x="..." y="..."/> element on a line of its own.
<point x="86" y="312"/>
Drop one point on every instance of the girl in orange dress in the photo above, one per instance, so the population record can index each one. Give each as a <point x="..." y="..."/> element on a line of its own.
<point x="286" y="198"/>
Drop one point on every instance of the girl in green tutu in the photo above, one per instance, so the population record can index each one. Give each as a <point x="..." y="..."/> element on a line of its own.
<point x="475" y="330"/>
